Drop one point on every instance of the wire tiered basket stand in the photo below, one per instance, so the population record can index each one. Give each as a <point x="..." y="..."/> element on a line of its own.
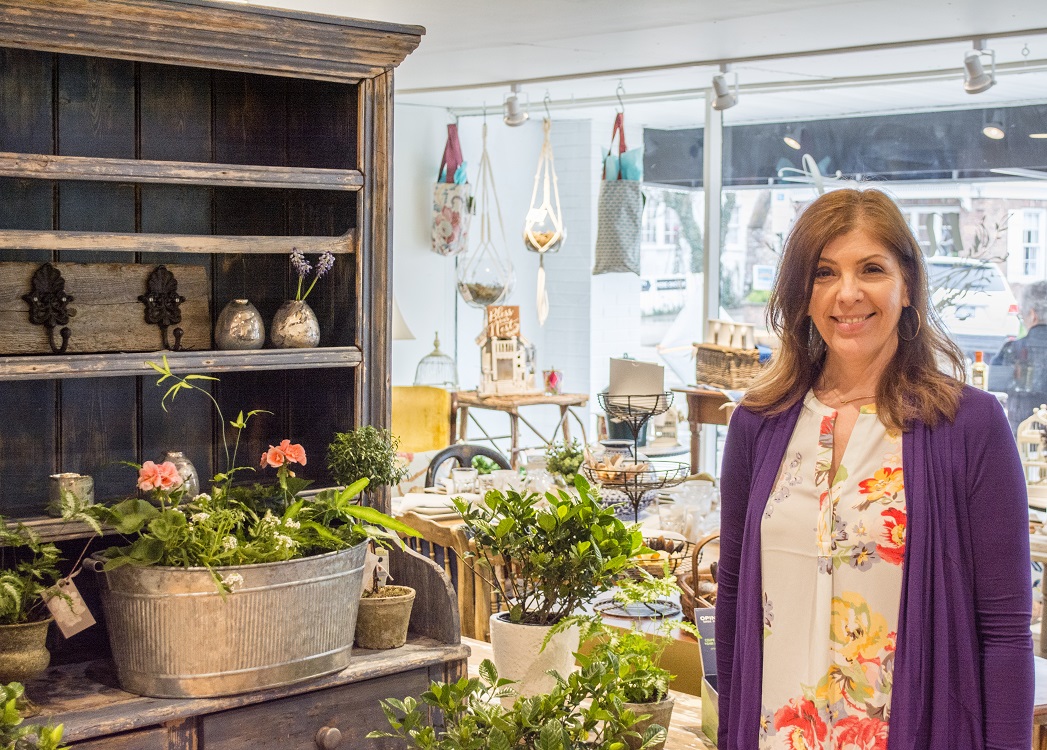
<point x="632" y="477"/>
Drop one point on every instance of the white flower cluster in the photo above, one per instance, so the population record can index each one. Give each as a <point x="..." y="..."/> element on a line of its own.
<point x="284" y="542"/>
<point x="199" y="517"/>
<point x="232" y="581"/>
<point x="290" y="523"/>
<point x="229" y="542"/>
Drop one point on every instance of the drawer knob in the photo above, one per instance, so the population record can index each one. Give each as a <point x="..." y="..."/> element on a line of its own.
<point x="328" y="738"/>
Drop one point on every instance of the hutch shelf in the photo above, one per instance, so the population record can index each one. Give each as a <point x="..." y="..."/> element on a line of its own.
<point x="218" y="135"/>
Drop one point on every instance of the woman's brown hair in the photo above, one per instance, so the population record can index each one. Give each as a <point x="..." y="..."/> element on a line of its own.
<point x="913" y="387"/>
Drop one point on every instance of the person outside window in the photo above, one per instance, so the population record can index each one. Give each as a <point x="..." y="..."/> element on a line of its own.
<point x="1026" y="358"/>
<point x="874" y="566"/>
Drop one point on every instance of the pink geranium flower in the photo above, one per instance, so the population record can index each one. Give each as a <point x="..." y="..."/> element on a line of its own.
<point x="293" y="452"/>
<point x="158" y="477"/>
<point x="273" y="457"/>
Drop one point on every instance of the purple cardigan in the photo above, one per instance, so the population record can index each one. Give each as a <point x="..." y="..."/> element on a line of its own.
<point x="963" y="676"/>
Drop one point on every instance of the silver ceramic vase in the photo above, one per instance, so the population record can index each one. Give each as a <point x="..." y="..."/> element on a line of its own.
<point x="186" y="470"/>
<point x="295" y="326"/>
<point x="239" y="326"/>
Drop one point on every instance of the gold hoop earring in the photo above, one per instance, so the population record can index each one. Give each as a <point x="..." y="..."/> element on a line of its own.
<point x="919" y="325"/>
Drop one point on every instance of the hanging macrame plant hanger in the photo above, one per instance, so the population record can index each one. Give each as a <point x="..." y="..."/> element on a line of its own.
<point x="544" y="231"/>
<point x="485" y="276"/>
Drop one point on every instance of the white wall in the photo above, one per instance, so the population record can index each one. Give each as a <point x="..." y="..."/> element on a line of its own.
<point x="423" y="282"/>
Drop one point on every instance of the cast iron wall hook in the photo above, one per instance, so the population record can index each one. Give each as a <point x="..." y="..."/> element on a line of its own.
<point x="162" y="302"/>
<point x="49" y="305"/>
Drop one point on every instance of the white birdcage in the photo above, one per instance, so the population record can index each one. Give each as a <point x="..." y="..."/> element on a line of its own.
<point x="1032" y="450"/>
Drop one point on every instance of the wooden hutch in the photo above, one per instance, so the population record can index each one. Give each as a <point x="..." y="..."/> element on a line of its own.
<point x="217" y="136"/>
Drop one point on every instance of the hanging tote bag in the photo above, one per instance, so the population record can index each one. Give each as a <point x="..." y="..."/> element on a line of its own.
<point x="544" y="231"/>
<point x="619" y="214"/>
<point x="452" y="200"/>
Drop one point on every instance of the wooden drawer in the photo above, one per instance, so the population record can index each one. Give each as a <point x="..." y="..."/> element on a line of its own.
<point x="292" y="723"/>
<point x="145" y="739"/>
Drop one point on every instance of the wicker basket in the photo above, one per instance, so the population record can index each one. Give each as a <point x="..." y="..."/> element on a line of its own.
<point x="697" y="585"/>
<point x="726" y="367"/>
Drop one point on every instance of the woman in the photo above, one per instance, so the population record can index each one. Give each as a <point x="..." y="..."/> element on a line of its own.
<point x="874" y="564"/>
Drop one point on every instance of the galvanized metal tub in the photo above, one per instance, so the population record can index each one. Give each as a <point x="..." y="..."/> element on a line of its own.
<point x="173" y="635"/>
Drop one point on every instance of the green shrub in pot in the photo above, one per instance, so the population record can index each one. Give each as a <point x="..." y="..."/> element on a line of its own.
<point x="583" y="711"/>
<point x="28" y="568"/>
<point x="561" y="552"/>
<point x="366" y="453"/>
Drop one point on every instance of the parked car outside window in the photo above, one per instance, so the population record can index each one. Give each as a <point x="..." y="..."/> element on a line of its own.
<point x="975" y="302"/>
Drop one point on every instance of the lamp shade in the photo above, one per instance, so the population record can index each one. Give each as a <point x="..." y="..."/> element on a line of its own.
<point x="976" y="80"/>
<point x="400" y="330"/>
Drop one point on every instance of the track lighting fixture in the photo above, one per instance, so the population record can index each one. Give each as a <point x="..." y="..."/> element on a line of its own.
<point x="794" y="138"/>
<point x="514" y="114"/>
<point x="725" y="98"/>
<point x="975" y="79"/>
<point x="992" y="126"/>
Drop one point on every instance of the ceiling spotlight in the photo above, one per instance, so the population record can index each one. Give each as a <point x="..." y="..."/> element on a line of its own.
<point x="1038" y="135"/>
<point x="994" y="130"/>
<point x="975" y="79"/>
<point x="992" y="126"/>
<point x="793" y="139"/>
<point x="725" y="99"/>
<point x="514" y="114"/>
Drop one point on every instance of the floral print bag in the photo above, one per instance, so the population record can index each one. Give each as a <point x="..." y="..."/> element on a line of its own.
<point x="452" y="200"/>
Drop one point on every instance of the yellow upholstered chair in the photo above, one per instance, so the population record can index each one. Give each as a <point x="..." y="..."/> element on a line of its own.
<point x="421" y="417"/>
<point x="422" y="421"/>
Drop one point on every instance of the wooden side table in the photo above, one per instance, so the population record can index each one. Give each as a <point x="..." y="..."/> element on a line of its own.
<point x="703" y="407"/>
<point x="461" y="401"/>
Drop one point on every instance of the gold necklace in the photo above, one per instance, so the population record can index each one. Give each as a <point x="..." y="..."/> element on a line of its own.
<point x="856" y="398"/>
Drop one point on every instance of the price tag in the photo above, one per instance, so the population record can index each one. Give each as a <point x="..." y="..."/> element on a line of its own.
<point x="376" y="561"/>
<point x="68" y="607"/>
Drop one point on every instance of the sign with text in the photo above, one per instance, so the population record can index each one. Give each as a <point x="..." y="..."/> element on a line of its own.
<point x="503" y="321"/>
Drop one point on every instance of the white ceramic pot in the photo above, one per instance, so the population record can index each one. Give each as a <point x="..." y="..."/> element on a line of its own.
<point x="518" y="655"/>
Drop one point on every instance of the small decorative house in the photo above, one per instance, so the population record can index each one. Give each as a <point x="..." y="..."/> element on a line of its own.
<point x="506" y="358"/>
<point x="1032" y="449"/>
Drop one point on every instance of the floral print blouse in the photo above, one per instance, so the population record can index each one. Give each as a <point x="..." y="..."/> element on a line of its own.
<point x="832" y="555"/>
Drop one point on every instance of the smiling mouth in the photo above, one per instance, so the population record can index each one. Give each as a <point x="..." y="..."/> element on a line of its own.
<point x="851" y="319"/>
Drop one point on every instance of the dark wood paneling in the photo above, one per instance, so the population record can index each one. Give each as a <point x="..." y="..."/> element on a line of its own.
<point x="96" y="114"/>
<point x="250" y="122"/>
<point x="25" y="101"/>
<point x="175" y="113"/>
<point x="98" y="431"/>
<point x="27" y="412"/>
<point x="320" y="125"/>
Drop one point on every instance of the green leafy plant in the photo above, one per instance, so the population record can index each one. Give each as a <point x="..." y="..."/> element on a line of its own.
<point x="564" y="459"/>
<point x="635" y="658"/>
<point x="584" y="710"/>
<point x="483" y="464"/>
<point x="16" y="736"/>
<point x="560" y="553"/>
<point x="236" y="525"/>
<point x="366" y="453"/>
<point x="28" y="568"/>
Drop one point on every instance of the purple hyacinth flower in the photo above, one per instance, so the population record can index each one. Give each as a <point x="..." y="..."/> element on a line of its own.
<point x="301" y="266"/>
<point x="324" y="265"/>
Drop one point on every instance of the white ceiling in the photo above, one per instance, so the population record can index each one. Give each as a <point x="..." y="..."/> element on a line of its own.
<point x="478" y="46"/>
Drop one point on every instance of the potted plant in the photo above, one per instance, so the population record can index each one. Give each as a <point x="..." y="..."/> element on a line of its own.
<point x="564" y="460"/>
<point x="545" y="559"/>
<point x="262" y="562"/>
<point x="582" y="710"/>
<point x="16" y="736"/>
<point x="366" y="453"/>
<point x="369" y="453"/>
<point x="28" y="568"/>
<point x="644" y="686"/>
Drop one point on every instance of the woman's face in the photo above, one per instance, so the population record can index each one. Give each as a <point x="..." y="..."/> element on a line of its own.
<point x="857" y="299"/>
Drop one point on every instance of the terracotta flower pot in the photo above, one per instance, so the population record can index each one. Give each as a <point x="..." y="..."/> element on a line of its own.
<point x="383" y="617"/>
<point x="23" y="654"/>
<point x="661" y="713"/>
